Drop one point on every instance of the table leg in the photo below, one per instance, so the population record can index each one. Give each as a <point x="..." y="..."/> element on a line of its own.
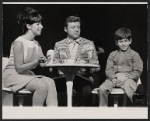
<point x="69" y="73"/>
<point x="69" y="85"/>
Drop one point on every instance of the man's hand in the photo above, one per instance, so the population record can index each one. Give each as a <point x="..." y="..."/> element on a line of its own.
<point x="84" y="55"/>
<point x="92" y="70"/>
<point x="82" y="71"/>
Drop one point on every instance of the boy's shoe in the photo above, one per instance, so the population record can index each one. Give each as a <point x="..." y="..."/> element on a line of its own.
<point x="138" y="100"/>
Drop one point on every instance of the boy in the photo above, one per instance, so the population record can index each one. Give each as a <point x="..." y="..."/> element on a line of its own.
<point x="123" y="69"/>
<point x="82" y="51"/>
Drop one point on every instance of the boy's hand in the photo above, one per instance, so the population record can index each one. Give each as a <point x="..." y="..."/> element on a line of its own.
<point x="114" y="81"/>
<point x="121" y="78"/>
<point x="119" y="83"/>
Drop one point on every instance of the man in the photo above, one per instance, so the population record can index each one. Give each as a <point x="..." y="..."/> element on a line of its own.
<point x="82" y="51"/>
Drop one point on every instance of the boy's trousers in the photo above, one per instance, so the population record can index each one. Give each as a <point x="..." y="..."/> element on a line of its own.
<point x="105" y="88"/>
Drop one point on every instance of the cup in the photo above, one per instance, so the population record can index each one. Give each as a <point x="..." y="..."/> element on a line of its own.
<point x="50" y="56"/>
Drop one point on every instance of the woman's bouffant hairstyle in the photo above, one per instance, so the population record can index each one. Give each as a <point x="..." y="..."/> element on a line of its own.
<point x="122" y="33"/>
<point x="28" y="16"/>
<point x="71" y="19"/>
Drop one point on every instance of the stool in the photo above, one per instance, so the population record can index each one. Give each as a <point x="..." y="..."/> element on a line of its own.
<point x="117" y="93"/>
<point x="8" y="96"/>
<point x="95" y="97"/>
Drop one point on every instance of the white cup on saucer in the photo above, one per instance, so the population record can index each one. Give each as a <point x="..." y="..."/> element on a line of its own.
<point x="50" y="56"/>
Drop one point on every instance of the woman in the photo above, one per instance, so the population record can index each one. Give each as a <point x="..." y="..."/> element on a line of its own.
<point x="26" y="54"/>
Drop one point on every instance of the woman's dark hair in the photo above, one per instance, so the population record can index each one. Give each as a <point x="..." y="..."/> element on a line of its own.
<point x="122" y="33"/>
<point x="71" y="19"/>
<point x="28" y="16"/>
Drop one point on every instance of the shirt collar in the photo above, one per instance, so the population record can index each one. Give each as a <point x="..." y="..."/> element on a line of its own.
<point x="127" y="51"/>
<point x="75" y="41"/>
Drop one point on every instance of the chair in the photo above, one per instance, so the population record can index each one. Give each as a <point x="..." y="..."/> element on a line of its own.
<point x="116" y="93"/>
<point x="95" y="97"/>
<point x="8" y="96"/>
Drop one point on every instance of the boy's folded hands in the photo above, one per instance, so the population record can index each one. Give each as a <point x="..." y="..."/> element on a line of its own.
<point x="120" y="79"/>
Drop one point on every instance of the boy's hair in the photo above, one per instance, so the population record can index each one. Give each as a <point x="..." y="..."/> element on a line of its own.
<point x="122" y="33"/>
<point x="28" y="16"/>
<point x="71" y="19"/>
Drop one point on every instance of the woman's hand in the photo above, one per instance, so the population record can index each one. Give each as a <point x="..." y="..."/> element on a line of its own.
<point x="43" y="61"/>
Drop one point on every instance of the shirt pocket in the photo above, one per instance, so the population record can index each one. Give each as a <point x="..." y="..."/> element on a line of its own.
<point x="130" y="62"/>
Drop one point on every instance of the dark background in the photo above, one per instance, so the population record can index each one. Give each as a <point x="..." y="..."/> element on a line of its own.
<point x="98" y="23"/>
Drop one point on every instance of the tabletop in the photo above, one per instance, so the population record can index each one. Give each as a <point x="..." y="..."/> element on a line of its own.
<point x="72" y="65"/>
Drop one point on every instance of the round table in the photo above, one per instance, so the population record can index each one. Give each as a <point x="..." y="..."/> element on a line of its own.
<point x="70" y="70"/>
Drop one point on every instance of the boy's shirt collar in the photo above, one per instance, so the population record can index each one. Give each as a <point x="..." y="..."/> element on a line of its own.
<point x="128" y="50"/>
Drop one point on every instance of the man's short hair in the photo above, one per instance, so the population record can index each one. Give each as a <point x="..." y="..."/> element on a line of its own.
<point x="71" y="19"/>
